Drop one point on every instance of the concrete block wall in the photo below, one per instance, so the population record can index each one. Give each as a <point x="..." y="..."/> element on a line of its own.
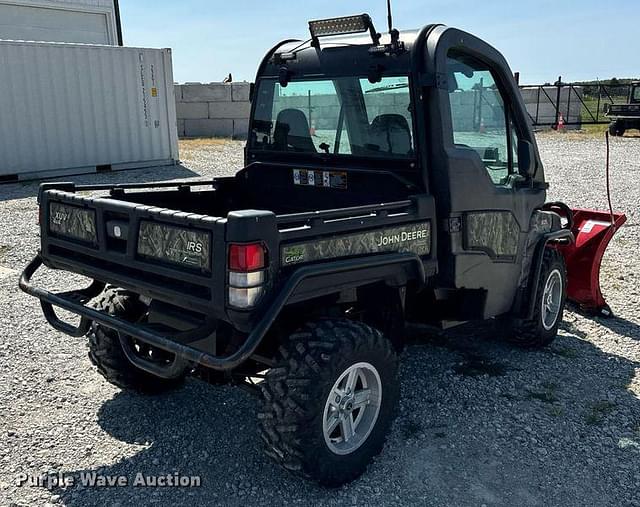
<point x="213" y="110"/>
<point x="222" y="110"/>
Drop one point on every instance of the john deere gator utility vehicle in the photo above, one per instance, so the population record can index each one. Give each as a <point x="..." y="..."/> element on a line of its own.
<point x="388" y="179"/>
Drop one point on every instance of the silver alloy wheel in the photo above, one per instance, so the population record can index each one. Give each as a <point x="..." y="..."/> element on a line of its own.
<point x="551" y="299"/>
<point x="352" y="408"/>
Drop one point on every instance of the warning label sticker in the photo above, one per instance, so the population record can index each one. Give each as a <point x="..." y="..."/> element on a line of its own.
<point x="318" y="178"/>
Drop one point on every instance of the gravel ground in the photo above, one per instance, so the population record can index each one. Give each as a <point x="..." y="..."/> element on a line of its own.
<point x="479" y="424"/>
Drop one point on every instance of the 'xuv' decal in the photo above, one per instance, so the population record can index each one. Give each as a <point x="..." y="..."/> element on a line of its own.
<point x="415" y="238"/>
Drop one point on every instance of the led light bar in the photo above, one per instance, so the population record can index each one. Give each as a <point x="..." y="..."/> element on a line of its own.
<point x="340" y="26"/>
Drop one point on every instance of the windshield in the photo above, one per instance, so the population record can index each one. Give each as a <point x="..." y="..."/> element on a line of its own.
<point x="342" y="116"/>
<point x="635" y="95"/>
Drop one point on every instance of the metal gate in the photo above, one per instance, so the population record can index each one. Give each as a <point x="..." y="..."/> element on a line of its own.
<point x="575" y="103"/>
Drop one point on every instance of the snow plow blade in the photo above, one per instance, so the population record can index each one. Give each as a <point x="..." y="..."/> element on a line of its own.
<point x="592" y="231"/>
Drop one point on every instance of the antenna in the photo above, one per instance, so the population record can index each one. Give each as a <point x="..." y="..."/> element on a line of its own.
<point x="395" y="34"/>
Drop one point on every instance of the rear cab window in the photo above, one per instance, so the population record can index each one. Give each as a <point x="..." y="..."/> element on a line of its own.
<point x="341" y="116"/>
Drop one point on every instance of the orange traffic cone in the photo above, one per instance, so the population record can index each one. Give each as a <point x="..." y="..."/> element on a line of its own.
<point x="560" y="125"/>
<point x="482" y="128"/>
<point x="312" y="130"/>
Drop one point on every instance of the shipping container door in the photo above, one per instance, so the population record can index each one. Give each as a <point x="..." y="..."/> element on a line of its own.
<point x="33" y="23"/>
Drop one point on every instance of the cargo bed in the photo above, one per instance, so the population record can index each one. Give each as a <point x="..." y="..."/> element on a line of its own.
<point x="114" y="235"/>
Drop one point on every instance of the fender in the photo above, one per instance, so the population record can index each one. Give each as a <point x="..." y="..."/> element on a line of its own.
<point x="393" y="269"/>
<point x="562" y="235"/>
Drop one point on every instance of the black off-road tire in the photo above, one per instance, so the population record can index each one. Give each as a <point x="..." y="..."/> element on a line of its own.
<point x="613" y="131"/>
<point x="105" y="350"/>
<point x="616" y="128"/>
<point x="532" y="333"/>
<point x="296" y="390"/>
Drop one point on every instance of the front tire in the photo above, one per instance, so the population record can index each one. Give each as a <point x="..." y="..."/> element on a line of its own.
<point x="330" y="401"/>
<point x="105" y="349"/>
<point x="542" y="328"/>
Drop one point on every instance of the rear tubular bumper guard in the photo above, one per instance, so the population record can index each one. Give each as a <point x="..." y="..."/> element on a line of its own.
<point x="75" y="302"/>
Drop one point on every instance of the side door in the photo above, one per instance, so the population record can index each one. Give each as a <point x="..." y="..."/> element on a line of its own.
<point x="489" y="207"/>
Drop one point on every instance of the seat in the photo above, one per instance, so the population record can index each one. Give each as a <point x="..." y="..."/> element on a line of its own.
<point x="391" y="133"/>
<point x="292" y="132"/>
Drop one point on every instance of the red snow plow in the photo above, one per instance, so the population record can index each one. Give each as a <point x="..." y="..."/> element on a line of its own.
<point x="592" y="230"/>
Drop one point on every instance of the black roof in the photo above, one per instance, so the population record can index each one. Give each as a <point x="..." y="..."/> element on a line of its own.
<point x="337" y="52"/>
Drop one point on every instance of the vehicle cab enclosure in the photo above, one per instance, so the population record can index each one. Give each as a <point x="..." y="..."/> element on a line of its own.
<point x="393" y="176"/>
<point x="435" y="117"/>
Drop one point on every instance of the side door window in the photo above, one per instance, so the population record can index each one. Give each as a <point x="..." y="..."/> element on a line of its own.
<point x="480" y="117"/>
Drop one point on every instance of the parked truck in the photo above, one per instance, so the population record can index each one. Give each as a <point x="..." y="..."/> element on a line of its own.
<point x="393" y="203"/>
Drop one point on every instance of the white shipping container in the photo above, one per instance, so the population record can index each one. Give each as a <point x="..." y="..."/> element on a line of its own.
<point x="73" y="108"/>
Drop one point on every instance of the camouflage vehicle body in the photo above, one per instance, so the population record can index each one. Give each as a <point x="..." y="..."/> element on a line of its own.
<point x="373" y="237"/>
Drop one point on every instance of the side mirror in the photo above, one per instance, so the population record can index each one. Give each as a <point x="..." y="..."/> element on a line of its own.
<point x="252" y="91"/>
<point x="526" y="158"/>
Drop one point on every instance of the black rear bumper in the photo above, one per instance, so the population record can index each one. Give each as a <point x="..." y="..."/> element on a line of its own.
<point x="76" y="302"/>
<point x="313" y="277"/>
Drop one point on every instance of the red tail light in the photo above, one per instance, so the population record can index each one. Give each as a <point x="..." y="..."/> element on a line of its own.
<point x="244" y="258"/>
<point x="246" y="274"/>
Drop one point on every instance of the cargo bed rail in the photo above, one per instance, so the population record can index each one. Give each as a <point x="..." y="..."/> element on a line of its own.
<point x="72" y="187"/>
<point x="357" y="217"/>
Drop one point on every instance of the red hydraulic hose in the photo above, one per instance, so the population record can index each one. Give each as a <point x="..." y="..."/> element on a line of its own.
<point x="613" y="222"/>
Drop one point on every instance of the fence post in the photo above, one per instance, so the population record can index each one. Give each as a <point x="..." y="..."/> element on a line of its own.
<point x="558" y="102"/>
<point x="480" y="93"/>
<point x="568" y="118"/>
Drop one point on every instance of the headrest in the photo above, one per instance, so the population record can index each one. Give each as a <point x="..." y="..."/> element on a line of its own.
<point x="392" y="133"/>
<point x="292" y="130"/>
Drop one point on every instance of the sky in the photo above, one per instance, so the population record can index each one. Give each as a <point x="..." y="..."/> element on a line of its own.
<point x="542" y="39"/>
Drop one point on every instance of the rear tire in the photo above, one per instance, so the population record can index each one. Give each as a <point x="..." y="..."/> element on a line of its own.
<point x="334" y="378"/>
<point x="105" y="350"/>
<point x="616" y="128"/>
<point x="542" y="328"/>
